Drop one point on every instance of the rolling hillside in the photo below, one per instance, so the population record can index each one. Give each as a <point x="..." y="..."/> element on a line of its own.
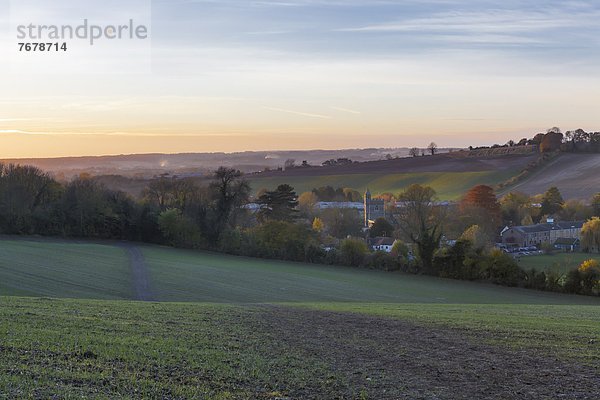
<point x="450" y="175"/>
<point x="577" y="176"/>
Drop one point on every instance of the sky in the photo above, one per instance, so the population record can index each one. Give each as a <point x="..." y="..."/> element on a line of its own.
<point x="237" y="75"/>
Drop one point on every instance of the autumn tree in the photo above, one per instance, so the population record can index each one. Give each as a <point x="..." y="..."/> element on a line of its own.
<point x="590" y="235"/>
<point x="551" y="141"/>
<point x="307" y="203"/>
<point x="575" y="210"/>
<point x="537" y="139"/>
<point x="552" y="201"/>
<point x="589" y="272"/>
<point x="596" y="205"/>
<point x="421" y="221"/>
<point x="527" y="220"/>
<point x="318" y="225"/>
<point x="516" y="207"/>
<point x="400" y="249"/>
<point x="481" y="207"/>
<point x="477" y="237"/>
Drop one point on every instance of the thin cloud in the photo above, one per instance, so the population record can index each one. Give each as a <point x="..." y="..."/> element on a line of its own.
<point x="304" y="114"/>
<point x="346" y="110"/>
<point x="489" y="21"/>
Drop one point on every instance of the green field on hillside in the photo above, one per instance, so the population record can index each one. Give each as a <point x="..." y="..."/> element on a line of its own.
<point x="69" y="269"/>
<point x="560" y="262"/>
<point x="448" y="185"/>
<point x="180" y="275"/>
<point x="96" y="271"/>
<point x="119" y="349"/>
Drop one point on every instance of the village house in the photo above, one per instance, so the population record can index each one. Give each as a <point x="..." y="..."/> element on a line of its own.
<point x="382" y="244"/>
<point x="544" y="233"/>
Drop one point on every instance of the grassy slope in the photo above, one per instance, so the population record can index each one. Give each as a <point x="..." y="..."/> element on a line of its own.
<point x="448" y="185"/>
<point x="31" y="268"/>
<point x="562" y="262"/>
<point x="193" y="276"/>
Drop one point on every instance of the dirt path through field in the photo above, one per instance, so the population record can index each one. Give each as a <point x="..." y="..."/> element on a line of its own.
<point x="390" y="359"/>
<point x="139" y="273"/>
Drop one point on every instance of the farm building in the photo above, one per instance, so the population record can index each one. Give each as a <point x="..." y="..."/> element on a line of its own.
<point x="538" y="234"/>
<point x="567" y="244"/>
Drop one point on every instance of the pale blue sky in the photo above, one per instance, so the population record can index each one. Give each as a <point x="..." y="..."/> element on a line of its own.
<point x="234" y="75"/>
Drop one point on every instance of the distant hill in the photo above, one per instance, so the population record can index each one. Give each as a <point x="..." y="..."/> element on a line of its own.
<point x="197" y="164"/>
<point x="450" y="174"/>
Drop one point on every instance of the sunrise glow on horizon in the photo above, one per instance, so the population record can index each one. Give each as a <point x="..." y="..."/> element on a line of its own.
<point x="239" y="75"/>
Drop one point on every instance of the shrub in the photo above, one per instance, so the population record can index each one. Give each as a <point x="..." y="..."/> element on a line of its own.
<point x="500" y="268"/>
<point x="572" y="282"/>
<point x="382" y="261"/>
<point x="282" y="240"/>
<point x="535" y="280"/>
<point x="353" y="252"/>
<point x="589" y="271"/>
<point x="179" y="230"/>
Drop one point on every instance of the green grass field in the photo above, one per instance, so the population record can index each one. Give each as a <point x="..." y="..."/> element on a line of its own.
<point x="240" y="328"/>
<point x="95" y="271"/>
<point x="181" y="275"/>
<point x="54" y="269"/>
<point x="560" y="262"/>
<point x="448" y="185"/>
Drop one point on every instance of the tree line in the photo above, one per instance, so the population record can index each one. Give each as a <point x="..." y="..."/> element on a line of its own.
<point x="216" y="216"/>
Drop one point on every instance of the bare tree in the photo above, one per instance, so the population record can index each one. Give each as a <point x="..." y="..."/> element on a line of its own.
<point x="414" y="152"/>
<point x="289" y="163"/>
<point x="432" y="148"/>
<point x="554" y="129"/>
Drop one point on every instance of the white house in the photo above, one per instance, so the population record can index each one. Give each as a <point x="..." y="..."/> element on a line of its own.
<point x="383" y="244"/>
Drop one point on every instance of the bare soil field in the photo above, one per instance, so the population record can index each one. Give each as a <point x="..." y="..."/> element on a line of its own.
<point x="577" y="176"/>
<point x="391" y="359"/>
